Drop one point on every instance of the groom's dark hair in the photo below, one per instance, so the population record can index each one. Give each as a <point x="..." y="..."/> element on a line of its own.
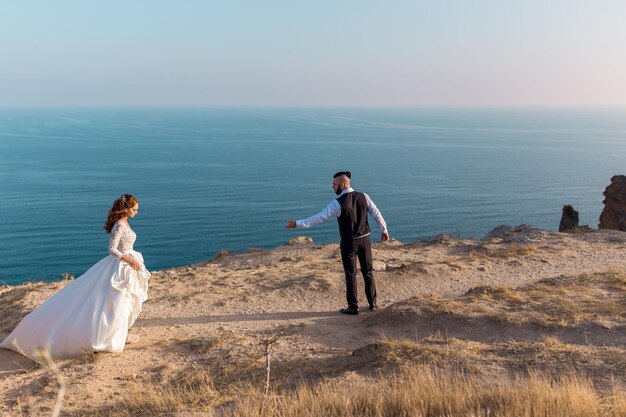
<point x="340" y="173"/>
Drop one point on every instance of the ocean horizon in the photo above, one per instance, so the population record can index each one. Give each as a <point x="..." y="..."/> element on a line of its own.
<point x="229" y="178"/>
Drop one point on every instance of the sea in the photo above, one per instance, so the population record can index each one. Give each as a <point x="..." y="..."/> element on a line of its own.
<point x="212" y="179"/>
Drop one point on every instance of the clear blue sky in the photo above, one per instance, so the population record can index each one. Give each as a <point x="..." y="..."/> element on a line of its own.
<point x="340" y="52"/>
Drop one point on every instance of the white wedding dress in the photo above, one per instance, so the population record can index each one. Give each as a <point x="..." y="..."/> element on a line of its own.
<point x="92" y="312"/>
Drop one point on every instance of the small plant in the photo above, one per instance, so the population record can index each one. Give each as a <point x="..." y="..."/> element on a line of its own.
<point x="46" y="360"/>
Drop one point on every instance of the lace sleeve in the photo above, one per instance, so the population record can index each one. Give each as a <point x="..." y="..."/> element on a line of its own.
<point x="116" y="236"/>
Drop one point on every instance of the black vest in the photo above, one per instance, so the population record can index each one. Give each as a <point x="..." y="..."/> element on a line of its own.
<point x="353" y="218"/>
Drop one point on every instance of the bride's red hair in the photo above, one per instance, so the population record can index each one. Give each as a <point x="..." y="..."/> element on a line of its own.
<point x="118" y="210"/>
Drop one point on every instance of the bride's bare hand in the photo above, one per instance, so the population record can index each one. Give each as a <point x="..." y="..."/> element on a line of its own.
<point x="133" y="264"/>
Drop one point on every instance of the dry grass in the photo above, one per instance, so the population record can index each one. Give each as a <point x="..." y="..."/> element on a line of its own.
<point x="432" y="393"/>
<point x="437" y="376"/>
<point x="435" y="351"/>
<point x="192" y="389"/>
<point x="230" y="359"/>
<point x="460" y="257"/>
<point x="203" y="344"/>
<point x="550" y="355"/>
<point x="511" y="250"/>
<point x="484" y="252"/>
<point x="561" y="302"/>
<point x="16" y="302"/>
<point x="423" y="392"/>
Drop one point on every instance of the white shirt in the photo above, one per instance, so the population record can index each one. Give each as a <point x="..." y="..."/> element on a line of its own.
<point x="333" y="209"/>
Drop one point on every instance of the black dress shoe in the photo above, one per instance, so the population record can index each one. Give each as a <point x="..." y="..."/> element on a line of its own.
<point x="350" y="311"/>
<point x="373" y="307"/>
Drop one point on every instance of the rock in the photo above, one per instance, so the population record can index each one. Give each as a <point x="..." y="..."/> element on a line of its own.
<point x="398" y="266"/>
<point x="614" y="214"/>
<point x="569" y="219"/>
<point x="501" y="231"/>
<point x="221" y="254"/>
<point x="523" y="228"/>
<point x="518" y="234"/>
<point x="300" y="240"/>
<point x="379" y="265"/>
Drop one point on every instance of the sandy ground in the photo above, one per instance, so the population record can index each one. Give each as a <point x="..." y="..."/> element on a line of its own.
<point x="293" y="292"/>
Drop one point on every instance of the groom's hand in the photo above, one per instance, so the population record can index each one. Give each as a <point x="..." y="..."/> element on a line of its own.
<point x="384" y="237"/>
<point x="291" y="224"/>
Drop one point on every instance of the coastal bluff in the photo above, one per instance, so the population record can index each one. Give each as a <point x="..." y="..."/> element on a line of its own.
<point x="520" y="300"/>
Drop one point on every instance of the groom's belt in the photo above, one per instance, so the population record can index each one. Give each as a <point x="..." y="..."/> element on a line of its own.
<point x="356" y="237"/>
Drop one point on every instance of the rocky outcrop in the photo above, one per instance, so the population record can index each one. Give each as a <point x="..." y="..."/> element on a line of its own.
<point x="614" y="214"/>
<point x="501" y="231"/>
<point x="569" y="221"/>
<point x="522" y="233"/>
<point x="300" y="240"/>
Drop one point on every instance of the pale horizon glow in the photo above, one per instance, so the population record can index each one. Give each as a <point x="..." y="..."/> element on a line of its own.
<point x="326" y="53"/>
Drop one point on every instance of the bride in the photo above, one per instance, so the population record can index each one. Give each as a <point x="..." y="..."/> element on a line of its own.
<point x="95" y="311"/>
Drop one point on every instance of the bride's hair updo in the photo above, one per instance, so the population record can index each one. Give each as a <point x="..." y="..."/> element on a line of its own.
<point x="118" y="210"/>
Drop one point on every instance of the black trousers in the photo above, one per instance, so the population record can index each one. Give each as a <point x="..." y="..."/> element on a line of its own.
<point x="351" y="250"/>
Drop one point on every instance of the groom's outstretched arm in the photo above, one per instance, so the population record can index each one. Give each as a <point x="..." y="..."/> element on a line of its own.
<point x="378" y="217"/>
<point x="333" y="209"/>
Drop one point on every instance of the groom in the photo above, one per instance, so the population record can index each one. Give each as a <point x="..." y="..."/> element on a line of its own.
<point x="351" y="209"/>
